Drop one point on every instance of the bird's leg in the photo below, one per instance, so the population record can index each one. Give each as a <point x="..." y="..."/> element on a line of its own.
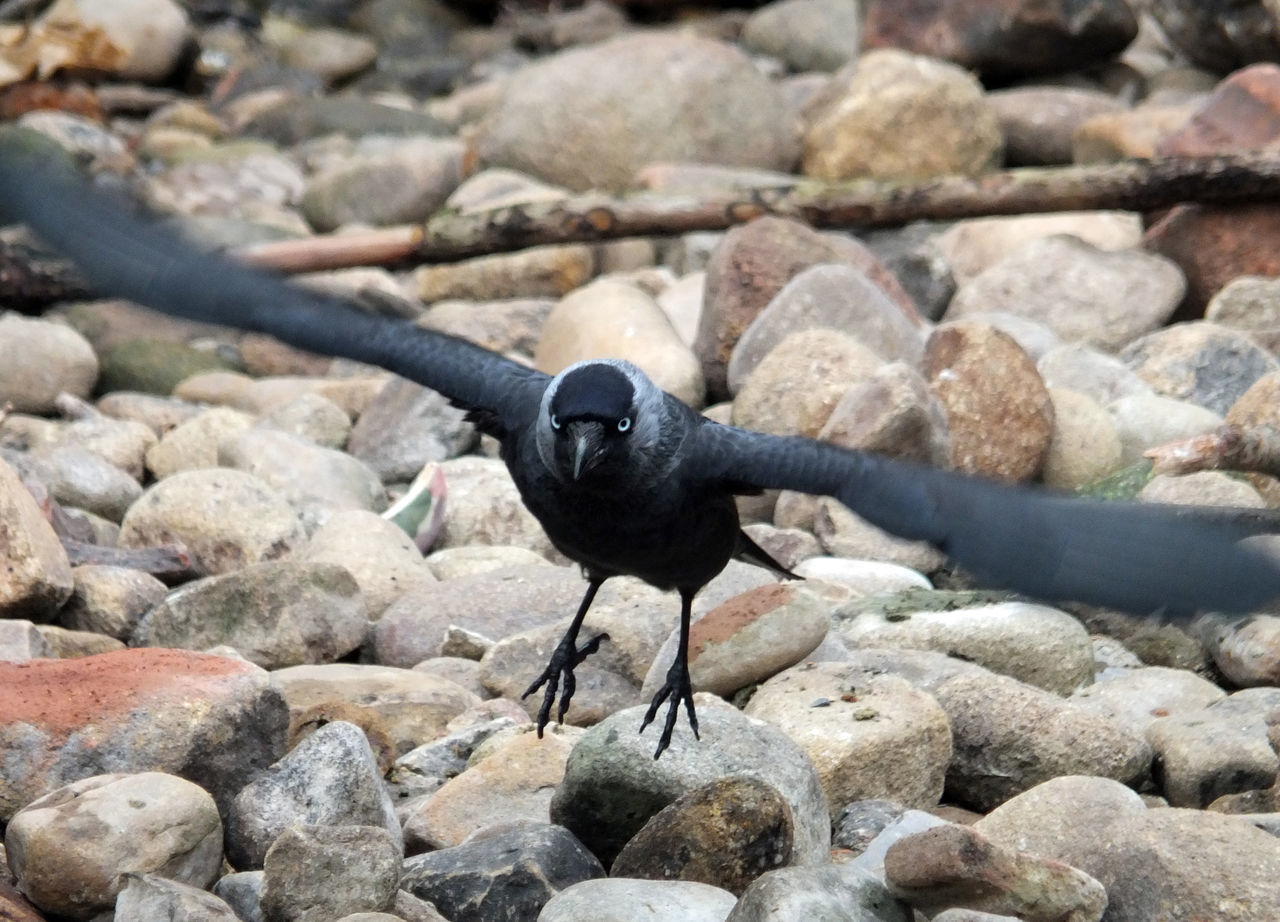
<point x="558" y="676"/>
<point x="678" y="688"/>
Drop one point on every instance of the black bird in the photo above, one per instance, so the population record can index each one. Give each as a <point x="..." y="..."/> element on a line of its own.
<point x="628" y="480"/>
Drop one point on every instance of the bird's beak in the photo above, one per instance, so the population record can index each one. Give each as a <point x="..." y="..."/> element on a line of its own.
<point x="588" y="446"/>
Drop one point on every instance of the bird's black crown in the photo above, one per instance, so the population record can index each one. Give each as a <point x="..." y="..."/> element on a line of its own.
<point x="594" y="391"/>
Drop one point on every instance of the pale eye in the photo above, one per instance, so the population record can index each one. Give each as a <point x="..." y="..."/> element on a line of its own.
<point x="555" y="421"/>
<point x="624" y="424"/>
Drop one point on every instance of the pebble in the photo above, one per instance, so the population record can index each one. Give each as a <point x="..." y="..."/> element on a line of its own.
<point x="168" y="710"/>
<point x="329" y="779"/>
<point x="896" y="115"/>
<point x="194" y="443"/>
<point x="404" y="707"/>
<point x="613" y="785"/>
<point x="1009" y="736"/>
<point x="703" y="100"/>
<point x="1249" y="303"/>
<point x="955" y="865"/>
<point x="1148" y="420"/>
<point x="974" y="245"/>
<point x="109" y="600"/>
<point x="1105" y="298"/>
<point x="603" y="684"/>
<point x="1002" y="428"/>
<point x="818" y="892"/>
<point x="1215" y="244"/>
<point x="893" y="412"/>
<point x="538" y="272"/>
<point x="311" y="417"/>
<point x="382" y="559"/>
<point x="1039" y="121"/>
<point x="617" y="319"/>
<point x="1009" y="39"/>
<point x="1036" y="644"/>
<point x="511" y="784"/>
<point x="806" y="35"/>
<point x="747" y="639"/>
<point x="844" y="534"/>
<point x="225" y="518"/>
<point x="315" y="873"/>
<point x="490" y="605"/>
<point x="83" y="479"/>
<point x="67" y="644"/>
<point x="1088" y="371"/>
<point x="36" y="577"/>
<point x="331" y="54"/>
<point x="1085" y="445"/>
<point x="316" y="481"/>
<point x="484" y="507"/>
<point x="1211" y="866"/>
<point x="142" y="823"/>
<point x="465" y="769"/>
<point x="150" y="896"/>
<point x="1206" y="364"/>
<point x="279" y="613"/>
<point x="400" y="185"/>
<point x="626" y="900"/>
<point x="861" y="578"/>
<point x="406" y="427"/>
<point x="869" y="736"/>
<point x="750" y="266"/>
<point x="1245" y="651"/>
<point x="39" y="360"/>
<point x="836" y="297"/>
<point x="473" y="559"/>
<point x="1207" y="488"/>
<point x="1137" y="697"/>
<point x="507" y="873"/>
<point x="21" y="640"/>
<point x="796" y="386"/>
<point x="1219" y="749"/>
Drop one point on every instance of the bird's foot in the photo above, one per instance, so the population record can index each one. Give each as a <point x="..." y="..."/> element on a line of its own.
<point x="559" y="679"/>
<point x="679" y="689"/>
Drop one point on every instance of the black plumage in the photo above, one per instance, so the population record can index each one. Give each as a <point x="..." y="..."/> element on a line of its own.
<point x="627" y="480"/>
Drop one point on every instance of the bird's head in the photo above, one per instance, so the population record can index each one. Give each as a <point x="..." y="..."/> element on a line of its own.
<point x="596" y="418"/>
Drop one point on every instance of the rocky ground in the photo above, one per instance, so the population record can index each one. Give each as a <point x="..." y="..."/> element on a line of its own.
<point x="327" y="725"/>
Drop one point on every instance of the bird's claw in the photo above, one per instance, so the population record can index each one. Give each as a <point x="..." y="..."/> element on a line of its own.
<point x="679" y="689"/>
<point x="559" y="679"/>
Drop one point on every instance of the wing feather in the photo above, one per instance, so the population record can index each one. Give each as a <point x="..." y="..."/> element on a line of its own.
<point x="1137" y="557"/>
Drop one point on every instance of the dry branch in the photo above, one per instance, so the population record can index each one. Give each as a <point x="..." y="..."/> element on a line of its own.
<point x="1231" y="448"/>
<point x="1134" y="185"/>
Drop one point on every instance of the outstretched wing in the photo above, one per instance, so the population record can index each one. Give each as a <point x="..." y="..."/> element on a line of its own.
<point x="128" y="256"/>
<point x="1136" y="557"/>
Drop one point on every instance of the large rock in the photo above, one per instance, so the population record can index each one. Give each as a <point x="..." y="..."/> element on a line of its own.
<point x="212" y="720"/>
<point x="226" y="519"/>
<point x="615" y="319"/>
<point x="1082" y="293"/>
<point x="39" y="360"/>
<point x="35" y="575"/>
<point x="508" y="874"/>
<point x="613" y="785"/>
<point x="72" y="849"/>
<point x="1004" y="37"/>
<point x="999" y="411"/>
<point x="895" y="115"/>
<point x="591" y="117"/>
<point x="280" y="613"/>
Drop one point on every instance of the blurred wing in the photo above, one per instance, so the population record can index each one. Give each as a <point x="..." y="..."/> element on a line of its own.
<point x="1135" y="557"/>
<point x="128" y="256"/>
